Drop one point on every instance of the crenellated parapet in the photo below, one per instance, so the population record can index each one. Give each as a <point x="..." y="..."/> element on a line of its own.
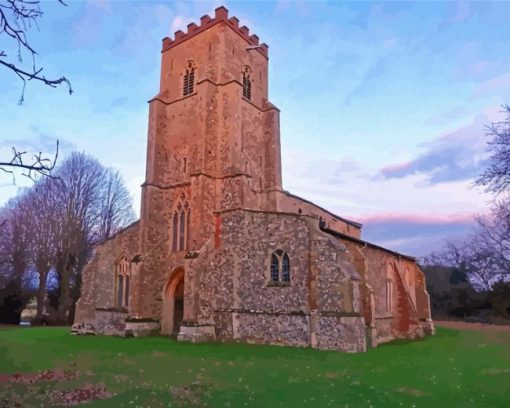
<point x="206" y="22"/>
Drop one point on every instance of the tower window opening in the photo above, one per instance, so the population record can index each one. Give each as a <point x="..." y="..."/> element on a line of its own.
<point x="188" y="84"/>
<point x="246" y="84"/>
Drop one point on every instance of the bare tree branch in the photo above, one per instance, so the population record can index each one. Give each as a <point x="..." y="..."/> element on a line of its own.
<point x="36" y="165"/>
<point x="496" y="178"/>
<point x="16" y="18"/>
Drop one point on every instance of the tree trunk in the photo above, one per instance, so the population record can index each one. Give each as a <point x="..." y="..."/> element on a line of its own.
<point x="43" y="269"/>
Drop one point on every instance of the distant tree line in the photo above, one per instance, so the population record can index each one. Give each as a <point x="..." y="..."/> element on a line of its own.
<point x="47" y="235"/>
<point x="472" y="277"/>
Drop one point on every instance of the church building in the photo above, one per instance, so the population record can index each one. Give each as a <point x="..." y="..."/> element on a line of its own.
<point x="221" y="251"/>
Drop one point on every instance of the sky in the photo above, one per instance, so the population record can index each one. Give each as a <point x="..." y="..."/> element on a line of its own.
<point x="383" y="104"/>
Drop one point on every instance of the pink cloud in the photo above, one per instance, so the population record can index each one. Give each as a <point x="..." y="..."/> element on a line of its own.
<point x="460" y="218"/>
<point x="494" y="86"/>
<point x="396" y="167"/>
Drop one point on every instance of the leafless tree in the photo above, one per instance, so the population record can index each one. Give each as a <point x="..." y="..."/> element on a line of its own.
<point x="95" y="205"/>
<point x="16" y="18"/>
<point x="493" y="239"/>
<point x="115" y="208"/>
<point x="55" y="224"/>
<point x="78" y="192"/>
<point x="41" y="206"/>
<point x="496" y="178"/>
<point x="15" y="239"/>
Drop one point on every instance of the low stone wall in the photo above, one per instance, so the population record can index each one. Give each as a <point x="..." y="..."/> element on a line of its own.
<point x="141" y="329"/>
<point x="342" y="333"/>
<point x="223" y="323"/>
<point x="110" y="322"/>
<point x="266" y="328"/>
<point x="197" y="333"/>
<point x="384" y="327"/>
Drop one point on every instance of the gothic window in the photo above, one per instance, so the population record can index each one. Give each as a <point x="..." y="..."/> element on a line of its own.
<point x="274" y="268"/>
<point x="188" y="217"/>
<point x="246" y="83"/>
<point x="188" y="83"/>
<point x="126" y="291"/>
<point x="285" y="268"/>
<point x="175" y="227"/>
<point x="181" y="227"/>
<point x="122" y="281"/>
<point x="182" y="224"/>
<point x="120" y="288"/>
<point x="389" y="296"/>
<point x="280" y="267"/>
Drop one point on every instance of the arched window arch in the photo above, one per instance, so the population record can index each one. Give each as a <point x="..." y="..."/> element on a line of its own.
<point x="181" y="221"/>
<point x="122" y="267"/>
<point x="188" y="83"/>
<point x="280" y="267"/>
<point x="246" y="83"/>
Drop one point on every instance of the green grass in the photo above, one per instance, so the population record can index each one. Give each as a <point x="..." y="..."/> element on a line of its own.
<point x="452" y="369"/>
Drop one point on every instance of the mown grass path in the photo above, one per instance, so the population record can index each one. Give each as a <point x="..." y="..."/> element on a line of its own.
<point x="456" y="368"/>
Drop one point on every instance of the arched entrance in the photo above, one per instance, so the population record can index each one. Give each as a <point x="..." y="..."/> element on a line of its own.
<point x="173" y="303"/>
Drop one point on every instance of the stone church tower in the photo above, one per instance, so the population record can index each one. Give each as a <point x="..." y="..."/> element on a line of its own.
<point x="221" y="251"/>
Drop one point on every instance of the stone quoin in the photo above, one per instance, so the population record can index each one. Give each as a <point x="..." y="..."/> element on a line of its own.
<point x="221" y="250"/>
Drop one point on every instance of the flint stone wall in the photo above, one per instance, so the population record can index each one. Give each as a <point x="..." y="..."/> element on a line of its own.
<point x="110" y="322"/>
<point x="98" y="276"/>
<point x="236" y="292"/>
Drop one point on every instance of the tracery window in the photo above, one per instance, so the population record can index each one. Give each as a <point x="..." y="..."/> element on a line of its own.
<point x="188" y="84"/>
<point x="122" y="281"/>
<point x="280" y="267"/>
<point x="181" y="227"/>
<point x="246" y="83"/>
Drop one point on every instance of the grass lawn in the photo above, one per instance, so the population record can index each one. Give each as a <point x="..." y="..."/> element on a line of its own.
<point x="456" y="368"/>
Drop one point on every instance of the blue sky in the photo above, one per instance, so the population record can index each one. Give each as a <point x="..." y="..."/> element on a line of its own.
<point x="383" y="105"/>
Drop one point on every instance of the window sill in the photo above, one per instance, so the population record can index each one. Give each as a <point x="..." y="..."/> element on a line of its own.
<point x="277" y="284"/>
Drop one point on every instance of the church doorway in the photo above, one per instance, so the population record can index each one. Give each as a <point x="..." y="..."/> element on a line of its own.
<point x="173" y="303"/>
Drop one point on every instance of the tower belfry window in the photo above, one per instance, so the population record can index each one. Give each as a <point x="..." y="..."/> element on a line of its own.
<point x="188" y="84"/>
<point x="246" y="83"/>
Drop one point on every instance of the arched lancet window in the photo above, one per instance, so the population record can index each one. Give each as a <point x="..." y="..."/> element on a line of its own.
<point x="122" y="281"/>
<point x="280" y="267"/>
<point x="274" y="268"/>
<point x="389" y="290"/>
<point x="188" y="84"/>
<point x="181" y="227"/>
<point x="175" y="227"/>
<point x="182" y="223"/>
<point x="285" y="268"/>
<point x="188" y="217"/>
<point x="246" y="83"/>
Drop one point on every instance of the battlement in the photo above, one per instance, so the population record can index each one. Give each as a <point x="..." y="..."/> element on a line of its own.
<point x="206" y="22"/>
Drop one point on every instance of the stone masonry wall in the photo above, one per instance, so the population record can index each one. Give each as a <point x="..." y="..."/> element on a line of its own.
<point x="238" y="297"/>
